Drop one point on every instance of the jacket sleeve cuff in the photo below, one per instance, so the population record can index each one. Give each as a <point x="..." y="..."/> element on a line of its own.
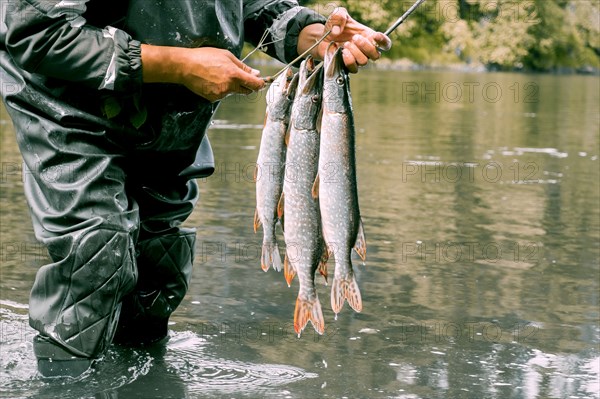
<point x="124" y="68"/>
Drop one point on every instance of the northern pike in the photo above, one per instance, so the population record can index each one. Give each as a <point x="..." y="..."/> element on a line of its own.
<point x="269" y="172"/>
<point x="302" y="224"/>
<point x="336" y="185"/>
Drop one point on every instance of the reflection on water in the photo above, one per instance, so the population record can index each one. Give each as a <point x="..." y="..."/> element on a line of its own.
<point x="479" y="195"/>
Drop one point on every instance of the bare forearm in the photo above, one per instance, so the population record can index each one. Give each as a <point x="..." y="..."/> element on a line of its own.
<point x="209" y="72"/>
<point x="159" y="64"/>
<point x="308" y="36"/>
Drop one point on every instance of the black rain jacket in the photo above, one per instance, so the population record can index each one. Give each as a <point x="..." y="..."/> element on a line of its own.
<point x="86" y="54"/>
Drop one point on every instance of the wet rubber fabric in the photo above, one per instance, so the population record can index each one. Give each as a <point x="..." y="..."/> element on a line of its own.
<point x="165" y="269"/>
<point x="109" y="162"/>
<point x="110" y="216"/>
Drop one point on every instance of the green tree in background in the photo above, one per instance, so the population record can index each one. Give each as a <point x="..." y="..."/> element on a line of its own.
<point x="568" y="34"/>
<point x="540" y="35"/>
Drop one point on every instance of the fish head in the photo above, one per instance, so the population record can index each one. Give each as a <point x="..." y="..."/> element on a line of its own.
<point x="336" y="86"/>
<point x="307" y="103"/>
<point x="280" y="95"/>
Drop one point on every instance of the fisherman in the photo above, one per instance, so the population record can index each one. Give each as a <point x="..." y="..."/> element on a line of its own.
<point x="110" y="101"/>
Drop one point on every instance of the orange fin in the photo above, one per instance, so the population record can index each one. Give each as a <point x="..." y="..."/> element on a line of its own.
<point x="361" y="243"/>
<point x="255" y="175"/>
<point x="322" y="268"/>
<point x="280" y="206"/>
<point x="288" y="271"/>
<point x="345" y="289"/>
<point x="256" y="220"/>
<point x="308" y="311"/>
<point x="315" y="188"/>
<point x="287" y="137"/>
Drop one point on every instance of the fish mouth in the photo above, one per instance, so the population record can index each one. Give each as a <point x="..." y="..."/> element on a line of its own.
<point x="310" y="64"/>
<point x="285" y="82"/>
<point x="289" y="75"/>
<point x="309" y="75"/>
<point x="334" y="61"/>
<point x="291" y="82"/>
<point x="314" y="81"/>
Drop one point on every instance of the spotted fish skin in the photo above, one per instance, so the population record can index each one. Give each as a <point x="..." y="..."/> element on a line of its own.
<point x="302" y="223"/>
<point x="269" y="173"/>
<point x="336" y="186"/>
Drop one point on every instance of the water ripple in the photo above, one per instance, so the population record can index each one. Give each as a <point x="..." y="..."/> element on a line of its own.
<point x="202" y="374"/>
<point x="180" y="368"/>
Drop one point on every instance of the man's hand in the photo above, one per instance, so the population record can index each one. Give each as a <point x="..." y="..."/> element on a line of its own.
<point x="209" y="72"/>
<point x="360" y="42"/>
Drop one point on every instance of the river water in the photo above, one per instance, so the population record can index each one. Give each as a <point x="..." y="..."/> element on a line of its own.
<point x="480" y="199"/>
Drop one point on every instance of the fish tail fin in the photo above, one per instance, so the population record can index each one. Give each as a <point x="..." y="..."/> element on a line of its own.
<point x="288" y="271"/>
<point x="265" y="257"/>
<point x="345" y="289"/>
<point x="361" y="243"/>
<point x="256" y="220"/>
<point x="276" y="257"/>
<point x="306" y="311"/>
<point x="270" y="257"/>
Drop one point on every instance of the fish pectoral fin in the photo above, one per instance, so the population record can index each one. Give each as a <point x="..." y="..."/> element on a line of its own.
<point x="306" y="311"/>
<point x="315" y="188"/>
<point x="256" y="220"/>
<point x="280" y="208"/>
<point x="345" y="289"/>
<point x="361" y="243"/>
<point x="288" y="270"/>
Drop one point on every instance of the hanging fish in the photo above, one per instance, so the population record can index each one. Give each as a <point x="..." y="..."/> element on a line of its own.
<point x="302" y="225"/>
<point x="336" y="185"/>
<point x="270" y="166"/>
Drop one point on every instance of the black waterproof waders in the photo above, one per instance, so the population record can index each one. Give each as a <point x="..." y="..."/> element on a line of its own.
<point x="111" y="222"/>
<point x="110" y="162"/>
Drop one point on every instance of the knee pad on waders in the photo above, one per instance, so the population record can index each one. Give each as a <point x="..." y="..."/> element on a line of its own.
<point x="165" y="269"/>
<point x="75" y="301"/>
